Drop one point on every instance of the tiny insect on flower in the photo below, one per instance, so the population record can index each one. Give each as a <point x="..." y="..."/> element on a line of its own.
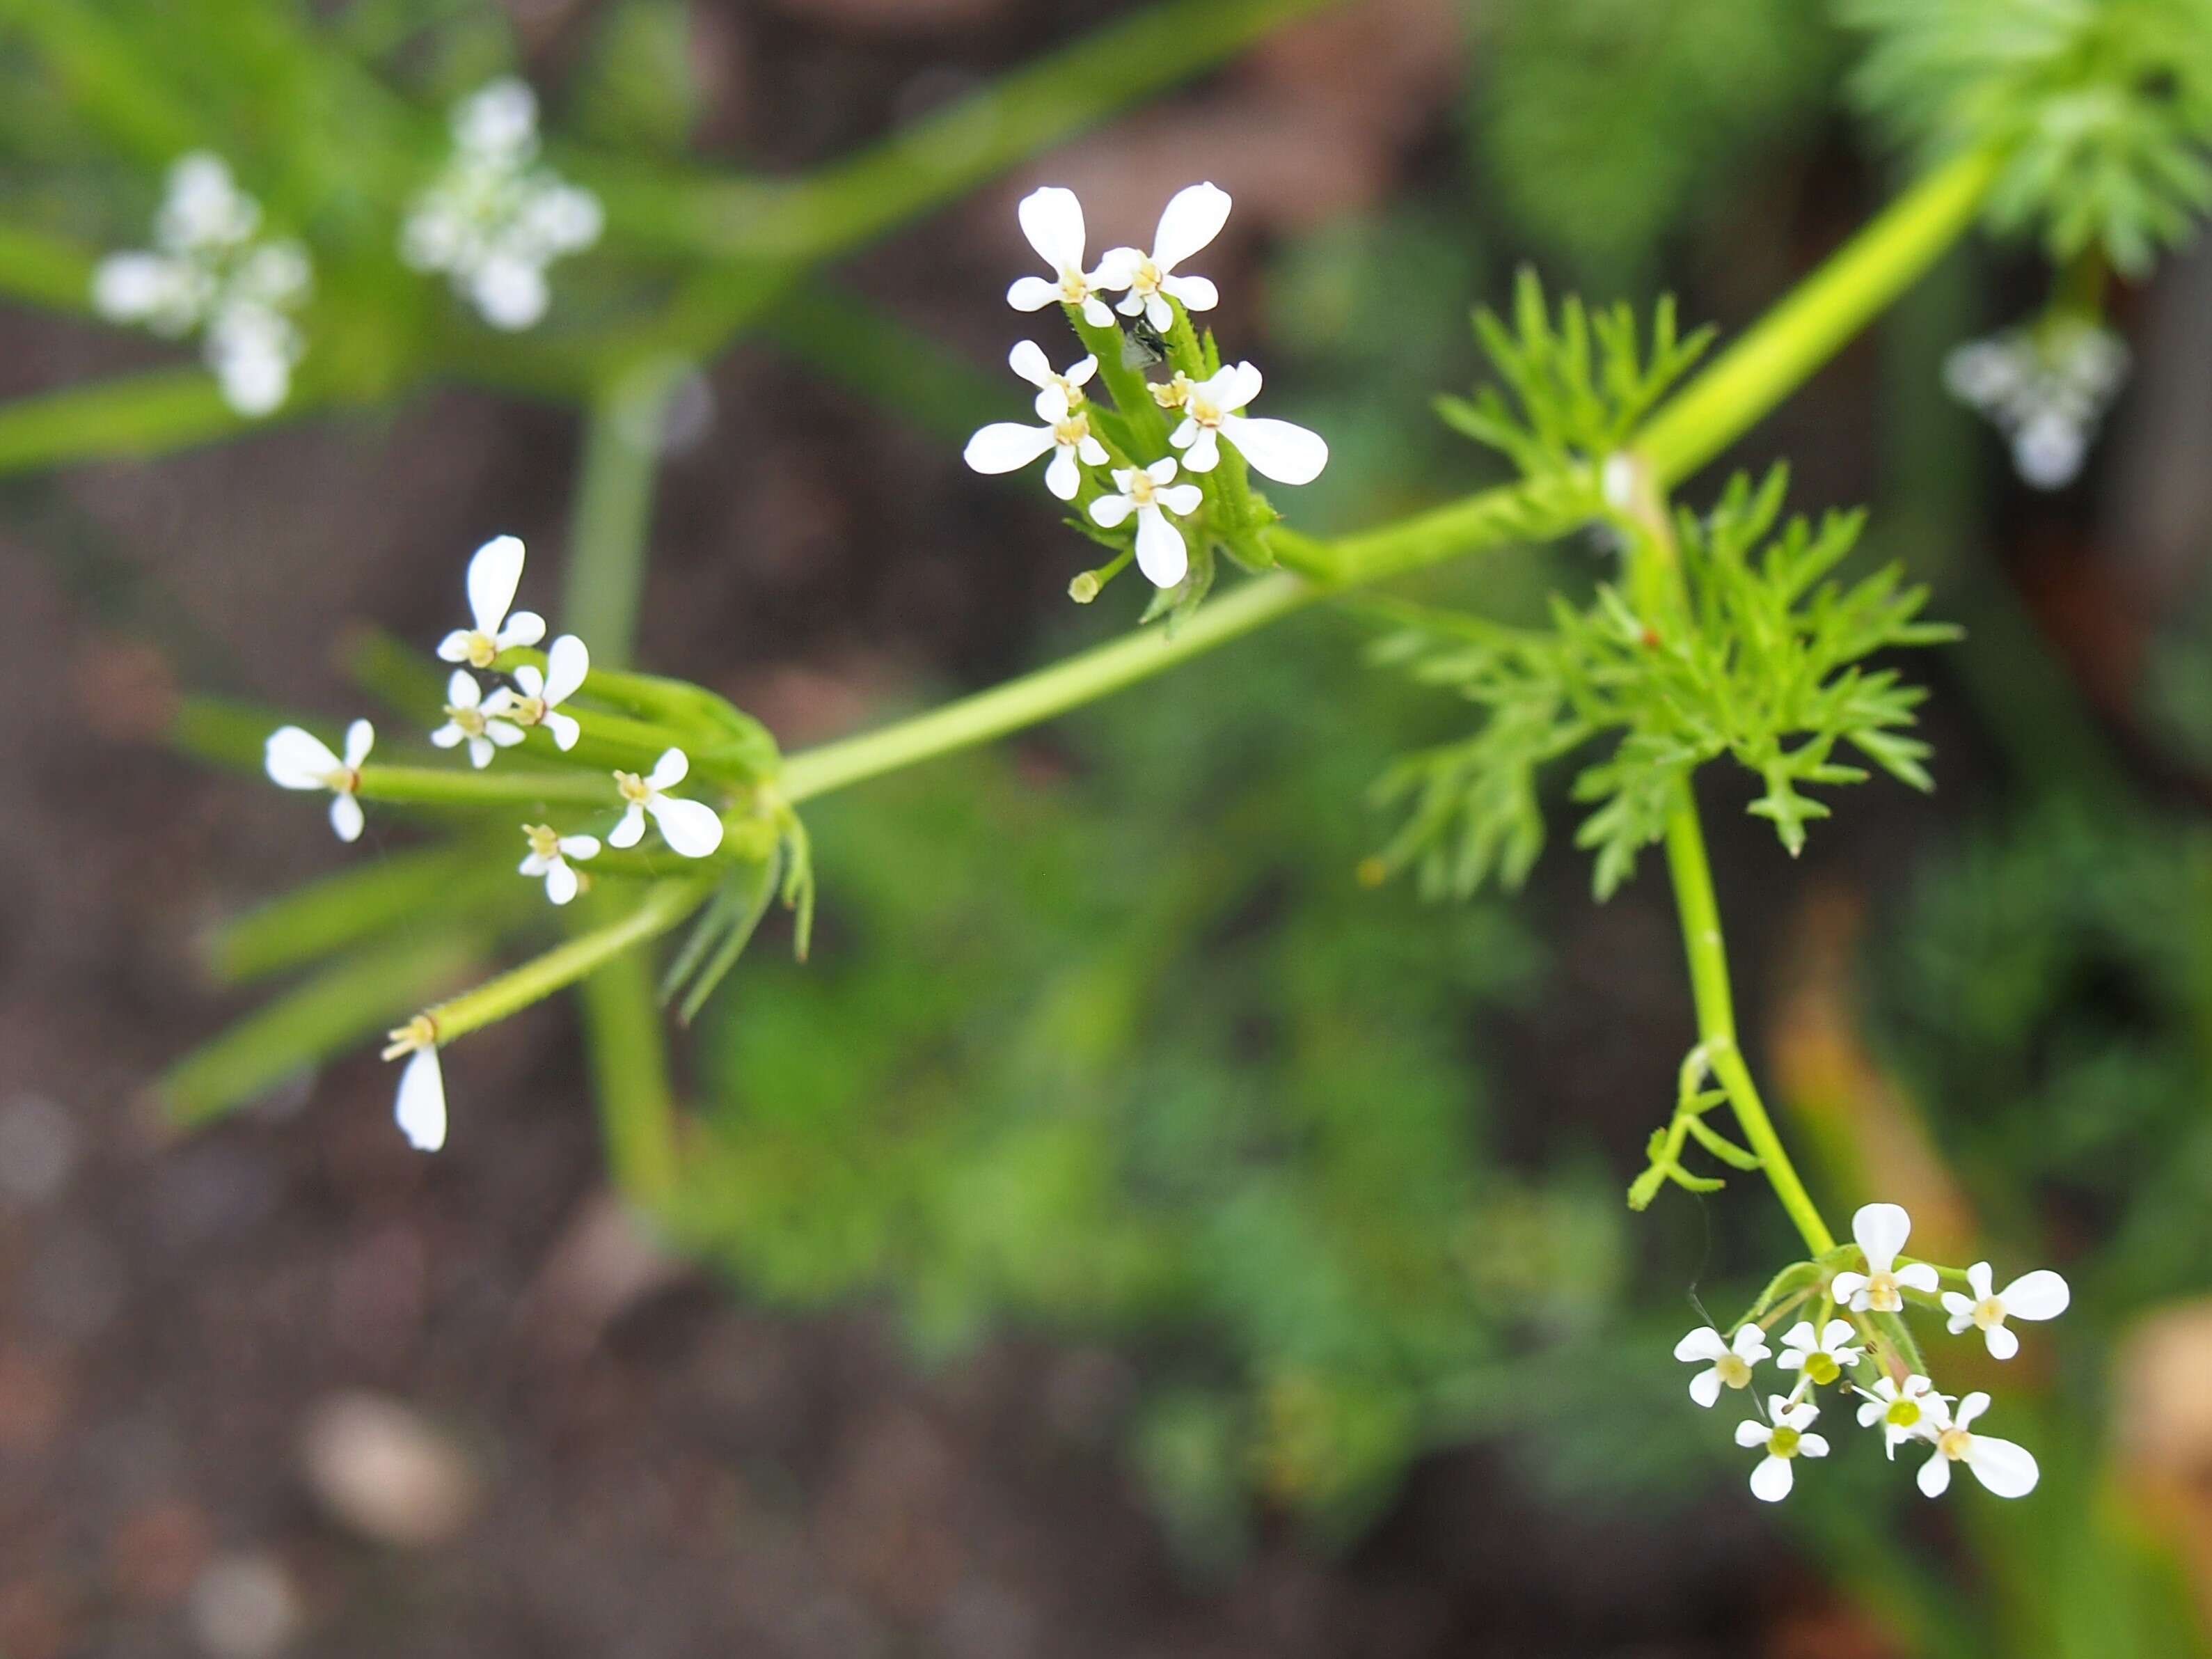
<point x="475" y="721"/>
<point x="2007" y="1469"/>
<point x="1822" y="1357"/>
<point x="1909" y="1411"/>
<point x="1005" y="446"/>
<point x="689" y="827"/>
<point x="549" y="855"/>
<point x="1192" y="219"/>
<point x="1881" y="1230"/>
<point x="495" y="573"/>
<point x="2040" y="1295"/>
<point x="297" y="759"/>
<point x="419" y="1107"/>
<point x="1786" y="1437"/>
<point x="1151" y="493"/>
<point x="1052" y="219"/>
<point x="1281" y="450"/>
<point x="539" y="696"/>
<point x="1728" y="1362"/>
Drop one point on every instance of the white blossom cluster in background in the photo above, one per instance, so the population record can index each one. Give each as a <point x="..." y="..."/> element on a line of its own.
<point x="2046" y="386"/>
<point x="1846" y="1349"/>
<point x="1141" y="487"/>
<point x="212" y="272"/>
<point x="495" y="219"/>
<point x="486" y="723"/>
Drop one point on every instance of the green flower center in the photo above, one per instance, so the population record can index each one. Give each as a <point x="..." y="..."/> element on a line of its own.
<point x="1822" y="1368"/>
<point x="1782" y="1443"/>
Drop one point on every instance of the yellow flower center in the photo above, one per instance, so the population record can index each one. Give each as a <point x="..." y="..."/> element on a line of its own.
<point x="527" y="711"/>
<point x="1989" y="1313"/>
<point x="1822" y="1368"/>
<point x="1147" y="279"/>
<point x="471" y="720"/>
<point x="1207" y="414"/>
<point x="545" y="840"/>
<point x="1782" y="1443"/>
<point x="1141" y="487"/>
<point x="483" y="650"/>
<point x="1074" y="288"/>
<point x="1733" y="1370"/>
<point x="1882" y="1295"/>
<point x="1174" y="393"/>
<point x="634" y="788"/>
<point x="420" y="1032"/>
<point x="1902" y="1413"/>
<point x="1072" y="430"/>
<point x="1952" y="1443"/>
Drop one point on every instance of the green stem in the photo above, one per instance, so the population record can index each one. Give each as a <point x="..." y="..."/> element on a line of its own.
<point x="437" y="786"/>
<point x="613" y="512"/>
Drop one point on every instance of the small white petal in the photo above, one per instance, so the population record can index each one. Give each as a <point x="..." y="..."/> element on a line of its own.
<point x="565" y="728"/>
<point x="1204" y="453"/>
<point x="530" y="683"/>
<point x="1095" y="312"/>
<point x="495" y="573"/>
<point x="522" y="628"/>
<point x="1772" y="1480"/>
<point x="1978" y="1279"/>
<point x="1935" y="1477"/>
<point x="1237" y="386"/>
<point x="480" y="752"/>
<point x="2040" y="1295"/>
<point x="448" y="735"/>
<point x="670" y="770"/>
<point x="1079" y="373"/>
<point x="533" y="864"/>
<point x="1028" y="360"/>
<point x="1811" y="1446"/>
<point x="560" y="882"/>
<point x="1706" y="1388"/>
<point x="1196" y="292"/>
<point x="630" y="830"/>
<point x="462" y="690"/>
<point x="420" y="1107"/>
<point x="1971" y="1407"/>
<point x="1052" y="219"/>
<point x="566" y="665"/>
<point x="1131" y="304"/>
<point x="1703" y="1344"/>
<point x="1182" y="499"/>
<point x="347" y="820"/>
<point x="2003" y="1344"/>
<point x="1920" y="1276"/>
<point x="1032" y="294"/>
<point x="502" y="733"/>
<point x="580" y="847"/>
<point x="1161" y="554"/>
<point x="1192" y="218"/>
<point x="511" y="293"/>
<point x="1752" y="1432"/>
<point x="2006" y="1469"/>
<point x="1109" y="511"/>
<point x="1281" y="450"/>
<point x="1092" y="451"/>
<point x="1848" y="1287"/>
<point x="360" y="738"/>
<point x="1117" y="269"/>
<point x="1959" y="1308"/>
<point x="1881" y="1230"/>
<point x="1007" y="445"/>
<point x="1063" y="477"/>
<point x="690" y="827"/>
<point x="298" y="759"/>
<point x="455" y="647"/>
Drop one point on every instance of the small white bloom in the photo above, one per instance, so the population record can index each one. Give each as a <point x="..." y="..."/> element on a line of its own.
<point x="1145" y="491"/>
<point x="1822" y="1357"/>
<point x="549" y="856"/>
<point x="2046" y="386"/>
<point x="1007" y="445"/>
<point x="493" y="219"/>
<point x="566" y="663"/>
<point x="1192" y="219"/>
<point x="494" y="572"/>
<point x="2040" y="1295"/>
<point x="1281" y="450"/>
<point x="1913" y="1411"/>
<point x="300" y="760"/>
<point x="420" y="1105"/>
<point x="1052" y="219"/>
<point x="1617" y="480"/>
<point x="1728" y="1364"/>
<point x="2006" y="1469"/>
<point x="1786" y="1438"/>
<point x="691" y="828"/>
<point x="1028" y="360"/>
<point x="469" y="718"/>
<point x="1881" y="1230"/>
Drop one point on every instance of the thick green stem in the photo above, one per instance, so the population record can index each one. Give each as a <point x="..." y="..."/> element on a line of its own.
<point x="613" y="513"/>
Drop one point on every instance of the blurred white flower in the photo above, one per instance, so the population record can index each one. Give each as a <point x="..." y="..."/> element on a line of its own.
<point x="690" y="827"/>
<point x="300" y="760"/>
<point x="1192" y="219"/>
<point x="1145" y="491"/>
<point x="1028" y="360"/>
<point x="1052" y="219"/>
<point x="549" y="856"/>
<point x="1786" y="1438"/>
<point x="541" y="695"/>
<point x="420" y="1104"/>
<point x="470" y="719"/>
<point x="1820" y="1357"/>
<point x="1007" y="445"/>
<point x="494" y="572"/>
<point x="2046" y="386"/>
<point x="1281" y="450"/>
<point x="1881" y="1230"/>
<point x="2040" y="1295"/>
<point x="2006" y="1469"/>
<point x="495" y="219"/>
<point x="1912" y="1411"/>
<point x="1728" y="1364"/>
<point x="207" y="272"/>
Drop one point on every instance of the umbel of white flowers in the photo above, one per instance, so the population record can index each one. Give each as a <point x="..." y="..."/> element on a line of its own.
<point x="212" y="272"/>
<point x="1901" y="1402"/>
<point x="1212" y="410"/>
<point x="494" y="220"/>
<point x="2046" y="387"/>
<point x="488" y="723"/>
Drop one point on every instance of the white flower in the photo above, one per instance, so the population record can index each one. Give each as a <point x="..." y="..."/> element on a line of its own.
<point x="1144" y="491"/>
<point x="1193" y="217"/>
<point x="1004" y="446"/>
<point x="494" y="572"/>
<point x="300" y="760"/>
<point x="1726" y="1363"/>
<point x="1280" y="450"/>
<point x="2040" y="1295"/>
<point x="566" y="663"/>
<point x="207" y="272"/>
<point x="420" y="1105"/>
<point x="549" y="856"/>
<point x="691" y="828"/>
<point x="1028" y="360"/>
<point x="1052" y="219"/>
<point x="493" y="219"/>
<point x="2046" y="386"/>
<point x="2006" y="1469"/>
<point x="1914" y="1412"/>
<point x="1821" y="1357"/>
<point x="1785" y="1439"/>
<point x="472" y="720"/>
<point x="1881" y="1230"/>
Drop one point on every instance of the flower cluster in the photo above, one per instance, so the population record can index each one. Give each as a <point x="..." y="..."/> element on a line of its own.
<point x="2046" y="387"/>
<point x="211" y="270"/>
<point x="528" y="698"/>
<point x="1854" y="1344"/>
<point x="1113" y="461"/>
<point x="495" y="219"/>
